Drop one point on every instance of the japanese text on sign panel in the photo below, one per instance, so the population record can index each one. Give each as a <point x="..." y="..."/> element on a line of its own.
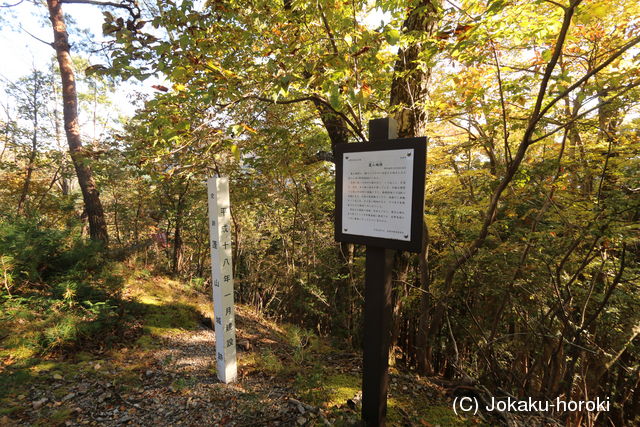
<point x="376" y="193"/>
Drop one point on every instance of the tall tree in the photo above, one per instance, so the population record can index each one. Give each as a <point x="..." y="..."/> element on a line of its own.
<point x="408" y="96"/>
<point x="79" y="156"/>
<point x="31" y="93"/>
<point x="410" y="85"/>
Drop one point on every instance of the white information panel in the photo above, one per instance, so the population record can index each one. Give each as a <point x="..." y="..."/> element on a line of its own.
<point x="222" y="277"/>
<point x="376" y="193"/>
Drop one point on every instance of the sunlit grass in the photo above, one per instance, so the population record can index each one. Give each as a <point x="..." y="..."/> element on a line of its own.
<point x="341" y="387"/>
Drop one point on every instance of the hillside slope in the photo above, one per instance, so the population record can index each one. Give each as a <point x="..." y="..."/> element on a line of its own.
<point x="162" y="372"/>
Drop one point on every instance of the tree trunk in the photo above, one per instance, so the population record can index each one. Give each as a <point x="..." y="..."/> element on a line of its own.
<point x="409" y="91"/>
<point x="176" y="257"/>
<point x="35" y="111"/>
<point x="423" y="346"/>
<point x="115" y="217"/>
<point x="409" y="88"/>
<point x="90" y="195"/>
<point x="177" y="244"/>
<point x="32" y="161"/>
<point x="343" y="321"/>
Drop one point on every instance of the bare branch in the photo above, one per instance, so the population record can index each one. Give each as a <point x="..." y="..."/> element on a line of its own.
<point x="98" y="3"/>
<point x="131" y="6"/>
<point x="505" y="132"/>
<point x="11" y="5"/>
<point x="50" y="44"/>
<point x="589" y="74"/>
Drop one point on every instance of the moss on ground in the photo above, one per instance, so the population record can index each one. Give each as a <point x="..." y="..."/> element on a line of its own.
<point x="341" y="387"/>
<point x="164" y="308"/>
<point x="167" y="306"/>
<point x="60" y="416"/>
<point x="7" y="407"/>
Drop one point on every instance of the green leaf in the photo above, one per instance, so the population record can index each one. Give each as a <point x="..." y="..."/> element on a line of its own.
<point x="496" y="6"/>
<point x="334" y="97"/>
<point x="348" y="40"/>
<point x="392" y="36"/>
<point x="235" y="151"/>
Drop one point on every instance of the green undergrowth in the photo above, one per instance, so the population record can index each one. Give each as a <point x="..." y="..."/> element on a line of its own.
<point x="42" y="333"/>
<point x="39" y="330"/>
<point x="166" y="306"/>
<point x="61" y="293"/>
<point x="46" y="335"/>
<point x="325" y="377"/>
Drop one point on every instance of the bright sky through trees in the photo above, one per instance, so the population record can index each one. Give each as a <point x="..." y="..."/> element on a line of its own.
<point x="21" y="51"/>
<point x="24" y="31"/>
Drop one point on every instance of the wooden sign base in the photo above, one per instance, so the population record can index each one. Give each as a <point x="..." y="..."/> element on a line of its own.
<point x="377" y="335"/>
<point x="379" y="203"/>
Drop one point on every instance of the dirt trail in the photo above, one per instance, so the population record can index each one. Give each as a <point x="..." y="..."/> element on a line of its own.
<point x="166" y="376"/>
<point x="172" y="385"/>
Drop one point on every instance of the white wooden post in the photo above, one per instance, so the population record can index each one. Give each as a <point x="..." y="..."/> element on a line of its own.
<point x="222" y="277"/>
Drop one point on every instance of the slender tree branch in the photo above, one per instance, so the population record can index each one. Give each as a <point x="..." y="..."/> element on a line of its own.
<point x="453" y="339"/>
<point x="588" y="75"/>
<point x="592" y="286"/>
<point x="12" y="5"/>
<point x="507" y="150"/>
<point x="588" y="258"/>
<point x="467" y="130"/>
<point x="615" y="357"/>
<point x="490" y="213"/>
<point x="98" y="3"/>
<point x="556" y="4"/>
<point x="603" y="175"/>
<point x="50" y="44"/>
<point x="605" y="299"/>
<point x="328" y="29"/>
<point x="581" y="115"/>
<point x="313" y="98"/>
<point x="132" y="6"/>
<point x="51" y="183"/>
<point x="526" y="70"/>
<point x="566" y="23"/>
<point x="534" y="227"/>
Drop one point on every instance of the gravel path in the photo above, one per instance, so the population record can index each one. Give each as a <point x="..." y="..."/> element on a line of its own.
<point x="174" y="385"/>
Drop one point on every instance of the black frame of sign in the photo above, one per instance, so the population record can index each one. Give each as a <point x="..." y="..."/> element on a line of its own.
<point x="419" y="145"/>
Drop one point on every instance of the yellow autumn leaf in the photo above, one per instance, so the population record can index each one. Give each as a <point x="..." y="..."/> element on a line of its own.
<point x="249" y="128"/>
<point x="235" y="151"/>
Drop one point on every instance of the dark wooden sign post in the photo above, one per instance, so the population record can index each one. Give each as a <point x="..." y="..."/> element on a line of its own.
<point x="379" y="203"/>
